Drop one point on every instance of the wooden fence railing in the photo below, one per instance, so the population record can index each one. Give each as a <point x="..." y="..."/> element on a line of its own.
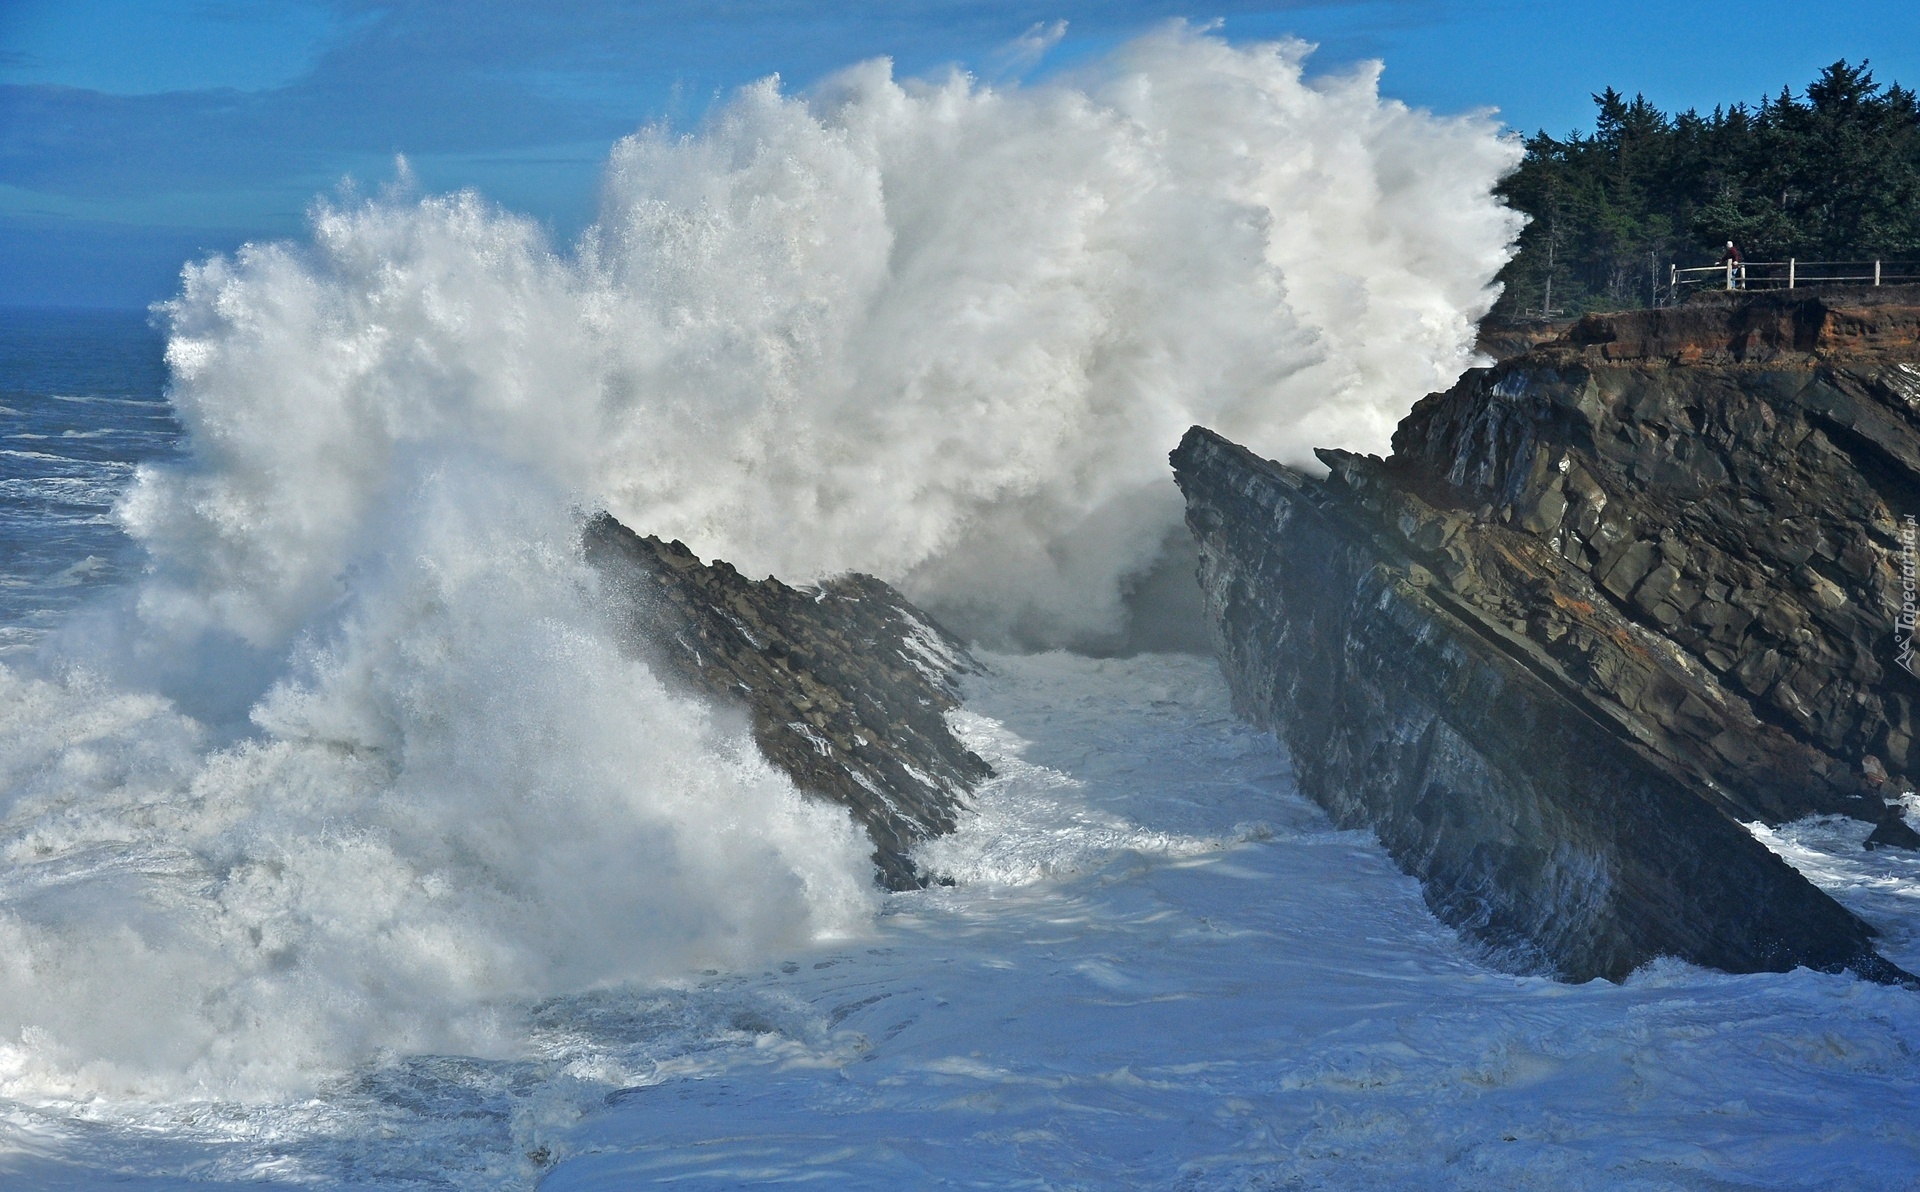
<point x="1789" y="274"/>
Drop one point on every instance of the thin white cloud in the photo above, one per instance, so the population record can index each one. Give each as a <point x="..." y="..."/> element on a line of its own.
<point x="1024" y="52"/>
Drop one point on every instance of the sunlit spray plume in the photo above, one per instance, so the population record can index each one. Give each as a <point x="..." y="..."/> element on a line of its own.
<point x="937" y="332"/>
<point x="396" y="772"/>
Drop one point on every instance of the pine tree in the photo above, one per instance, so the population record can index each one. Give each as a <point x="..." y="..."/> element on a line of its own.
<point x="1830" y="175"/>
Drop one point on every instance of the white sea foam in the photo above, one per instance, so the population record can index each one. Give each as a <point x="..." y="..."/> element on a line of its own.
<point x="357" y="763"/>
<point x="1179" y="1002"/>
<point x="463" y="796"/>
<point x="938" y="332"/>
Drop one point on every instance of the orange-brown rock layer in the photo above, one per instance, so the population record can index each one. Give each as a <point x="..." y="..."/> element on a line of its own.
<point x="1861" y="323"/>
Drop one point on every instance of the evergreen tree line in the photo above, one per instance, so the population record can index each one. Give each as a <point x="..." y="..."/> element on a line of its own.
<point x="1833" y="175"/>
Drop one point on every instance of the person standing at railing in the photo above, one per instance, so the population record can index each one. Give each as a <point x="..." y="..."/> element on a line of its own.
<point x="1735" y="266"/>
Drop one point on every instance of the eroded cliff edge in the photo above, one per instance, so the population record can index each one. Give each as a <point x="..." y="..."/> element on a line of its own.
<point x="847" y="685"/>
<point x="1607" y="599"/>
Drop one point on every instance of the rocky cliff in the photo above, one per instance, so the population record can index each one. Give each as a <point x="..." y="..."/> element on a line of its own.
<point x="1606" y="600"/>
<point x="847" y="684"/>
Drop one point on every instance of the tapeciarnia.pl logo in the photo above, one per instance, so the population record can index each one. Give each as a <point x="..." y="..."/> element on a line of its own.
<point x="1909" y="571"/>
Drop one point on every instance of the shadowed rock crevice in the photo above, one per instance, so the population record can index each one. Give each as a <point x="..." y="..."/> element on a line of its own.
<point x="847" y="684"/>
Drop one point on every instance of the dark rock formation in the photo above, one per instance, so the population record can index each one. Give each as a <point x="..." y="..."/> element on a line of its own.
<point x="1505" y="338"/>
<point x="847" y="684"/>
<point x="1606" y="599"/>
<point x="1741" y="515"/>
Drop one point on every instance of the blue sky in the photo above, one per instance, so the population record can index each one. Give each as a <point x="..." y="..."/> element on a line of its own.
<point x="137" y="133"/>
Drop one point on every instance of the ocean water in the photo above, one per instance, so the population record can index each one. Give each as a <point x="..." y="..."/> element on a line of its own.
<point x="339" y="848"/>
<point x="82" y="396"/>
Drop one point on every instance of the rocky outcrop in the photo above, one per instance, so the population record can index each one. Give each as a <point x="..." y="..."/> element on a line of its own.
<point x="1744" y="518"/>
<point x="1864" y="324"/>
<point x="1505" y="338"/>
<point x="847" y="684"/>
<point x="1607" y="600"/>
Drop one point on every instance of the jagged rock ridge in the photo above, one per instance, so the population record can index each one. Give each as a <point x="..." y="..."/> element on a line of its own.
<point x="1602" y="603"/>
<point x="847" y="684"/>
<point x="1741" y="514"/>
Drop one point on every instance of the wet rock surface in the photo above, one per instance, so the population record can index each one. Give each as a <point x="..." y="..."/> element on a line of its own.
<point x="1602" y="604"/>
<point x="1746" y="523"/>
<point x="847" y="684"/>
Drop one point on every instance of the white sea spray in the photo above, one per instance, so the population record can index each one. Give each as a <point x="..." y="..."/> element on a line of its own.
<point x="356" y="767"/>
<point x="938" y="332"/>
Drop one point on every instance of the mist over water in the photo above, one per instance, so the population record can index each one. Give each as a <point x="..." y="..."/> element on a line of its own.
<point x="356" y="765"/>
<point x="463" y="796"/>
<point x="937" y="332"/>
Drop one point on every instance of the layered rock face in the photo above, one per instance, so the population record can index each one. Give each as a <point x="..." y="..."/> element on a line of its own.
<point x="1606" y="599"/>
<point x="1865" y="324"/>
<point x="1737" y="503"/>
<point x="847" y="685"/>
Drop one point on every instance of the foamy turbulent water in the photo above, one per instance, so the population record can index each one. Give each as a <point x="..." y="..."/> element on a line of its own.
<point x="342" y="846"/>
